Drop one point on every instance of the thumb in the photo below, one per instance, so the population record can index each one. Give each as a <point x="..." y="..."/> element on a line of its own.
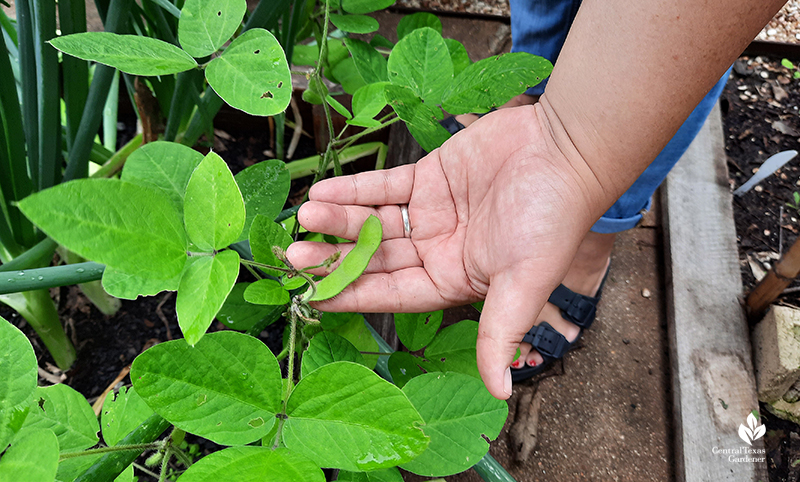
<point x="513" y="302"/>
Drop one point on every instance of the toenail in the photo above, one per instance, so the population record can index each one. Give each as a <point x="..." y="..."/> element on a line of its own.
<point x="515" y="364"/>
<point x="531" y="363"/>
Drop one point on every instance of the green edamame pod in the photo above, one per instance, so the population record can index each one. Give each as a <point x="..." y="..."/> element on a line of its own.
<point x="356" y="261"/>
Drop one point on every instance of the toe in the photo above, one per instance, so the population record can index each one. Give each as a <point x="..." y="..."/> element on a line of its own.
<point x="524" y="353"/>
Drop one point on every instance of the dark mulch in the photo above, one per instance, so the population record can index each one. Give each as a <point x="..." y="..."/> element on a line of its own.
<point x="760" y="113"/>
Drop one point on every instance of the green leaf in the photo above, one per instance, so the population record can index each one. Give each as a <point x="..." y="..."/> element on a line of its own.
<point x="327" y="347"/>
<point x="458" y="54"/>
<point x="204" y="287"/>
<point x="418" y="20"/>
<point x="368" y="61"/>
<point x="18" y="366"/>
<point x="292" y="283"/>
<point x="264" y="234"/>
<point x="420" y="118"/>
<point x="338" y="107"/>
<point x="31" y="458"/>
<point x="205" y="25"/>
<point x="252" y="74"/>
<point x="365" y="6"/>
<point x="494" y="81"/>
<point x="132" y="54"/>
<point x="416" y="330"/>
<point x="227" y="388"/>
<point x="214" y="209"/>
<point x="368" y="101"/>
<point x="453" y="349"/>
<point x="346" y="73"/>
<point x="128" y="227"/>
<point x="354" y="330"/>
<point x="354" y="263"/>
<point x="421" y="62"/>
<point x="354" y="23"/>
<point x="383" y="475"/>
<point x="166" y="166"/>
<point x="18" y="382"/>
<point x="458" y="412"/>
<point x="787" y="63"/>
<point x="265" y="187"/>
<point x="129" y="287"/>
<point x="343" y="415"/>
<point x="379" y="41"/>
<point x="238" y="314"/>
<point x="404" y="366"/>
<point x="122" y="414"/>
<point x="253" y="464"/>
<point x="64" y="411"/>
<point x="266" y="292"/>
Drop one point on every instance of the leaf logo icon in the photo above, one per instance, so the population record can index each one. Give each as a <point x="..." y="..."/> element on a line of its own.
<point x="754" y="431"/>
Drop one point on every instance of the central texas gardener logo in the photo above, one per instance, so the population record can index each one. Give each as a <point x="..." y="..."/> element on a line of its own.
<point x="753" y="431"/>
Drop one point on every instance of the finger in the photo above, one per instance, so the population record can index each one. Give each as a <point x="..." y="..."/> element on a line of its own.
<point x="390" y="186"/>
<point x="408" y="290"/>
<point x="392" y="255"/>
<point x="513" y="301"/>
<point x="346" y="221"/>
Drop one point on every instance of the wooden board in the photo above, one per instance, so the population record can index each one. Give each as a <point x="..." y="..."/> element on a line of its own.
<point x="712" y="371"/>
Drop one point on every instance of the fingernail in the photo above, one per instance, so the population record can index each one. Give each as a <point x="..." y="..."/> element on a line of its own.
<point x="507" y="382"/>
<point x="531" y="363"/>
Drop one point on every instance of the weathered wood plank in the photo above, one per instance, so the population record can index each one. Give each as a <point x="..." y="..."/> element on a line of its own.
<point x="712" y="371"/>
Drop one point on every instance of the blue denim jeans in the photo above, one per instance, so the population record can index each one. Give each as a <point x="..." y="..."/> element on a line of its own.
<point x="540" y="27"/>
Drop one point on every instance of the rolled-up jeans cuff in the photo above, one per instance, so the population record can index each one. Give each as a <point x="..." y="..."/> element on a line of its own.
<point x="607" y="225"/>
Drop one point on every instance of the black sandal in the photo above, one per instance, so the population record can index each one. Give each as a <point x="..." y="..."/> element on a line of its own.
<point x="552" y="345"/>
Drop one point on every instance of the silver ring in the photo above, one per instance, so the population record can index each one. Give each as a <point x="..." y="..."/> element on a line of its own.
<point x="406" y="222"/>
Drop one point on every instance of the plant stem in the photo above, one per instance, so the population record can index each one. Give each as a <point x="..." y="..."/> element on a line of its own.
<point x="347" y="142"/>
<point x="165" y="464"/>
<point x="115" y="448"/>
<point x="256" y="264"/>
<point x="115" y="163"/>
<point x="50" y="277"/>
<point x="38" y="255"/>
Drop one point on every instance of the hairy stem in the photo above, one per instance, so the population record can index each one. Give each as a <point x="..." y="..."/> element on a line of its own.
<point x="116" y="448"/>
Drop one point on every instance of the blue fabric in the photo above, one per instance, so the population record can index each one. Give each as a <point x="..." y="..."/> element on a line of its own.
<point x="540" y="27"/>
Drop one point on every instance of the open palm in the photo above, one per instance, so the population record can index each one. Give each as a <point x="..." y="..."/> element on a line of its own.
<point x="496" y="213"/>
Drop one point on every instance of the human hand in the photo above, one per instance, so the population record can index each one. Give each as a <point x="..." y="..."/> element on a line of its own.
<point x="497" y="213"/>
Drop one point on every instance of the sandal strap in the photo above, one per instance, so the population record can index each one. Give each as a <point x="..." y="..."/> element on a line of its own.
<point x="547" y="341"/>
<point x="575" y="307"/>
<point x="452" y="125"/>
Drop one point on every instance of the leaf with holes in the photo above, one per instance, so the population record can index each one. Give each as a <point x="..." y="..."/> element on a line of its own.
<point x="252" y="74"/>
<point x="264" y="187"/>
<point x="132" y="54"/>
<point x="494" y="81"/>
<point x="416" y="330"/>
<point x="453" y="349"/>
<point x="204" y="287"/>
<point x="404" y="366"/>
<point x="129" y="227"/>
<point x="460" y="415"/>
<point x="227" y="388"/>
<point x="343" y="415"/>
<point x="327" y="347"/>
<point x="205" y="25"/>
<point x="213" y="209"/>
<point x="421" y="62"/>
<point x="122" y="414"/>
<point x="67" y="413"/>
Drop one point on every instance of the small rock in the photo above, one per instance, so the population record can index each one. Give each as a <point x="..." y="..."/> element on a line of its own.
<point x="758" y="189"/>
<point x="767" y="232"/>
<point x="646" y="293"/>
<point x="626" y="341"/>
<point x="779" y="93"/>
<point x="764" y="75"/>
<point x="772" y="32"/>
